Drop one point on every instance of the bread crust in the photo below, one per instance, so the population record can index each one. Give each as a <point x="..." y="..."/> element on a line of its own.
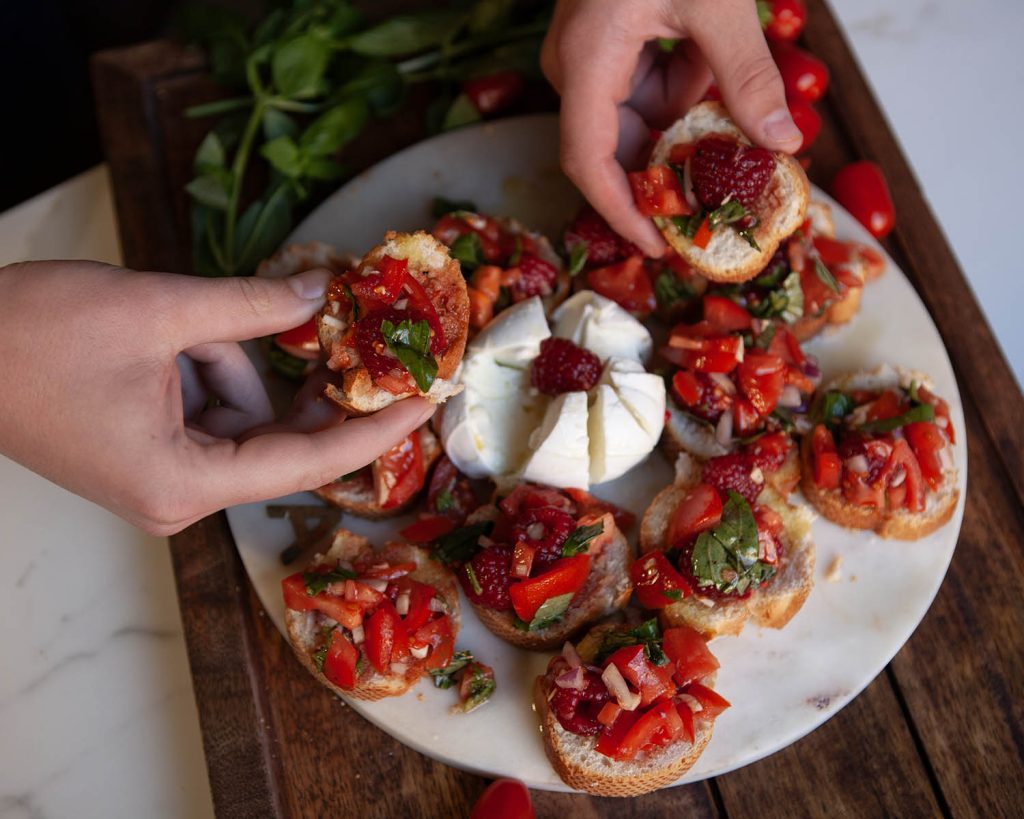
<point x="772" y="606"/>
<point x="359" y="498"/>
<point x="607" y="589"/>
<point x="371" y="685"/>
<point x="441" y="277"/>
<point x="728" y="257"/>
<point x="898" y="524"/>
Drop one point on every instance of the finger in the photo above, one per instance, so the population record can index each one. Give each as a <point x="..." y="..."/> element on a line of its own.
<point x="227" y="373"/>
<point x="311" y="410"/>
<point x="669" y="90"/>
<point x="734" y="46"/>
<point x="240" y="308"/>
<point x="280" y="463"/>
<point x="193" y="393"/>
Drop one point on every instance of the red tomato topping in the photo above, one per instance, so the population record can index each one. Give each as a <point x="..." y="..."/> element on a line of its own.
<point x="566" y="576"/>
<point x="827" y="466"/>
<point x="428" y="528"/>
<point x="712" y="703"/>
<point x="725" y="315"/>
<point x="686" y="386"/>
<point x="421" y="303"/>
<point x="658" y="192"/>
<point x="493" y="92"/>
<point x="384" y="284"/>
<point x="705" y="355"/>
<point x="383" y="630"/>
<point x="656" y="582"/>
<point x="437" y="634"/>
<point x="861" y="189"/>
<point x="398" y="474"/>
<point x="301" y="342"/>
<point x="651" y="681"/>
<point x="699" y="510"/>
<point x="627" y="284"/>
<point x="348" y="614"/>
<point x="762" y="377"/>
<point x="340" y="661"/>
<point x="902" y="459"/>
<point x="662" y="718"/>
<point x="688" y="650"/>
<point x="588" y="504"/>
<point x="702" y="237"/>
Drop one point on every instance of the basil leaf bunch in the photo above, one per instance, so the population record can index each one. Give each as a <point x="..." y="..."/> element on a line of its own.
<point x="409" y="342"/>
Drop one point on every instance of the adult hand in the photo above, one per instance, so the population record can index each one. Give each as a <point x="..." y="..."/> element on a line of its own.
<point x="601" y="56"/>
<point x="107" y="373"/>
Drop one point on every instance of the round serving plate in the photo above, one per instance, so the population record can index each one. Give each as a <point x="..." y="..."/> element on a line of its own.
<point x="869" y="594"/>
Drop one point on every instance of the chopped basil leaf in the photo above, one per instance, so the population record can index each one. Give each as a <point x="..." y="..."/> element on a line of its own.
<point x="794" y="308"/>
<point x="580" y="539"/>
<point x="748" y="235"/>
<point x="688" y="225"/>
<point x="410" y="344"/>
<point x="508" y="366"/>
<point x="519" y="624"/>
<point x="764" y="339"/>
<point x="832" y="407"/>
<point x="914" y="395"/>
<point x="784" y="418"/>
<point x="316" y="582"/>
<point x="772" y="276"/>
<point x="443" y="677"/>
<point x="727" y="557"/>
<point x="922" y="412"/>
<point x="764" y="13"/>
<point x="669" y="290"/>
<point x="826" y="276"/>
<point x="351" y="300"/>
<point x="646" y="634"/>
<point x="468" y="251"/>
<point x="504" y="299"/>
<point x="442" y="207"/>
<point x="444" y="501"/>
<point x="321" y="653"/>
<point x="578" y="257"/>
<point x="550" y="610"/>
<point x="460" y="546"/>
<point x="517" y="254"/>
<point x="473" y="582"/>
<point x="481" y="686"/>
<point x="673" y="594"/>
<point x="726" y="214"/>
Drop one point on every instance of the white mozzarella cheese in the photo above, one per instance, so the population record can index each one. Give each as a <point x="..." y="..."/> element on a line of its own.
<point x="517" y="331"/>
<point x="642" y="392"/>
<point x="560" y="452"/>
<point x="599" y="324"/>
<point x="617" y="441"/>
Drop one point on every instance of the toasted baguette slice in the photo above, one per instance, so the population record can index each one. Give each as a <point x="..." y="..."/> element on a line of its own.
<point x="899" y="524"/>
<point x="441" y="277"/>
<point x="358" y="495"/>
<point x="781" y="207"/>
<point x="772" y="606"/>
<point x="303" y="626"/>
<point x="683" y="433"/>
<point x="581" y="767"/>
<point x="607" y="589"/>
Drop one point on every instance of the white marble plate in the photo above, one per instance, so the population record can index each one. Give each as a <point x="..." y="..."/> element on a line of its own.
<point x="782" y="684"/>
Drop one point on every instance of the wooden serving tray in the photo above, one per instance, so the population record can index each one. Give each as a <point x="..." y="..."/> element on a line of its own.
<point x="939" y="732"/>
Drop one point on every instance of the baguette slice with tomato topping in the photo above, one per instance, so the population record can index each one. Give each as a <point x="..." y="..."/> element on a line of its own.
<point x="931" y="477"/>
<point x="396" y="326"/>
<point x="674" y="744"/>
<point x="343" y="656"/>
<point x="392" y="483"/>
<point x="776" y="210"/>
<point x="771" y="605"/>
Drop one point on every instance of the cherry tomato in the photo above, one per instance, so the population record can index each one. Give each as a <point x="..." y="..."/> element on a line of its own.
<point x="786" y="20"/>
<point x="627" y="284"/>
<point x="504" y="799"/>
<point x="658" y="192"/>
<point x="803" y="74"/>
<point x="807" y="120"/>
<point x="494" y="92"/>
<point x="861" y="189"/>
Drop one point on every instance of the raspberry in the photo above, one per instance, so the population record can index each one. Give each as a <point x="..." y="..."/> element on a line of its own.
<point x="536" y="278"/>
<point x="577" y="709"/>
<point x="370" y="341"/>
<point x="564" y="367"/>
<point x="713" y="400"/>
<point x="604" y="245"/>
<point x="733" y="472"/>
<point x="491" y="567"/>
<point x="546" y="530"/>
<point x="722" y="167"/>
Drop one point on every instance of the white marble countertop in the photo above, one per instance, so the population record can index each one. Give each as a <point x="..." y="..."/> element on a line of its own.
<point x="95" y="696"/>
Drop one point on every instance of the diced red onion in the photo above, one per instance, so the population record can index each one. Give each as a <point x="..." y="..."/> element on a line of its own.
<point x="377" y="584"/>
<point x="535" y="531"/>
<point x="695" y="704"/>
<point x="331" y="321"/>
<point x="571" y="679"/>
<point x="402" y="604"/>
<point x="419" y="652"/>
<point x="571" y="656"/>
<point x="810" y="367"/>
<point x="858" y="463"/>
<point x="898" y="478"/>
<point x="485" y="541"/>
<point x="945" y="458"/>
<point x="723" y="430"/>
<point x="723" y="382"/>
<point x="358" y="634"/>
<point x="627" y="700"/>
<point x="686" y="343"/>
<point x="691" y="197"/>
<point x="437" y="604"/>
<point x="398" y="668"/>
<point x="790" y="397"/>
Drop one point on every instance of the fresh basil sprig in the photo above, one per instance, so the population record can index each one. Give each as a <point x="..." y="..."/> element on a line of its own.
<point x="825" y="276"/>
<point x="726" y="558"/>
<point x="579" y="540"/>
<point x="468" y="251"/>
<point x="646" y="634"/>
<point x="459" y="546"/>
<point x="409" y="342"/>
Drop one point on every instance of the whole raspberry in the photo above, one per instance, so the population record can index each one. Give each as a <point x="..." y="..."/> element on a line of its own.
<point x="723" y="167"/>
<point x="546" y="530"/>
<point x="577" y="709"/>
<point x="490" y="568"/>
<point x="564" y="367"/>
<point x="734" y="472"/>
<point x="536" y="278"/>
<point x="604" y="245"/>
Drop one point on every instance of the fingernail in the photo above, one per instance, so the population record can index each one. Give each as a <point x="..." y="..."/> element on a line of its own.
<point x="311" y="284"/>
<point x="779" y="127"/>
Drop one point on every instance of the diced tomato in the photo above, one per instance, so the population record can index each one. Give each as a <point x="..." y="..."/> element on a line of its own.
<point x="613" y="735"/>
<point x="699" y="510"/>
<point x="762" y="377"/>
<point x="656" y="582"/>
<point x="745" y="417"/>
<point x="651" y="681"/>
<point x="566" y="576"/>
<point x="398" y="474"/>
<point x="857" y="490"/>
<point x="609" y="712"/>
<point x="419" y="300"/>
<point x="428" y="528"/>
<point x="725" y="314"/>
<point x="587" y="504"/>
<point x="356" y="592"/>
<point x="712" y="703"/>
<point x="438" y="635"/>
<point x="657" y="192"/>
<point x="706" y="355"/>
<point x="387" y="571"/>
<point x="680" y="152"/>
<point x="383" y="285"/>
<point x="686" y="716"/>
<point x="903" y="456"/>
<point x="301" y="342"/>
<point x="827" y="466"/>
<point x="626" y="283"/>
<point x="769" y="451"/>
<point x="487" y="279"/>
<point x="494" y="92"/>
<point x="381" y="629"/>
<point x="686" y="386"/>
<point x="528" y="496"/>
<point x="340" y="661"/>
<point x="941" y="411"/>
<point x="887" y="405"/>
<point x="644" y="731"/>
<point x="481" y="308"/>
<point x="832" y="252"/>
<point x="348" y="614"/>
<point x="420" y="595"/>
<point x="702" y="238"/>
<point x="688" y="650"/>
<point x="927" y="442"/>
<point x="522" y="559"/>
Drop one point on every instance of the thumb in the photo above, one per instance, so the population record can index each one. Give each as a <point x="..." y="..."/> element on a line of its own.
<point x="236" y="309"/>
<point x="734" y="46"/>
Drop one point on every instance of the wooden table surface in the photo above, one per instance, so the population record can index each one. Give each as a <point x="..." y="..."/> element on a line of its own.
<point x="939" y="732"/>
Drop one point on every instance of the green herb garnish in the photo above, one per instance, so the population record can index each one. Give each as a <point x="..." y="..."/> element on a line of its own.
<point x="577" y="258"/>
<point x="460" y="546"/>
<point x="442" y="207"/>
<point x="468" y="251"/>
<point x="286" y="364"/>
<point x="831" y="408"/>
<point x="473" y="582"/>
<point x="764" y="338"/>
<point x="444" y="501"/>
<point x="481" y="686"/>
<point x="409" y="342"/>
<point x="550" y="611"/>
<point x="444" y="677"/>
<point x="580" y="539"/>
<point x="825" y="275"/>
<point x="922" y="412"/>
<point x="669" y="290"/>
<point x="726" y="558"/>
<point x="646" y="634"/>
<point x="673" y="594"/>
<point x="517" y="253"/>
<point x="317" y="582"/>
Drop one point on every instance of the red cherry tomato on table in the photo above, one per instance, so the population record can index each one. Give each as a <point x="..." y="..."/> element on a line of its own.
<point x="787" y="20"/>
<point x="861" y="189"/>
<point x="494" y="92"/>
<point x="807" y="120"/>
<point x="504" y="799"/>
<point x="803" y="74"/>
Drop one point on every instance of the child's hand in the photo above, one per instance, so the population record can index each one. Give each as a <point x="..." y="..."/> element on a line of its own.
<point x="106" y="373"/>
<point x="601" y="56"/>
